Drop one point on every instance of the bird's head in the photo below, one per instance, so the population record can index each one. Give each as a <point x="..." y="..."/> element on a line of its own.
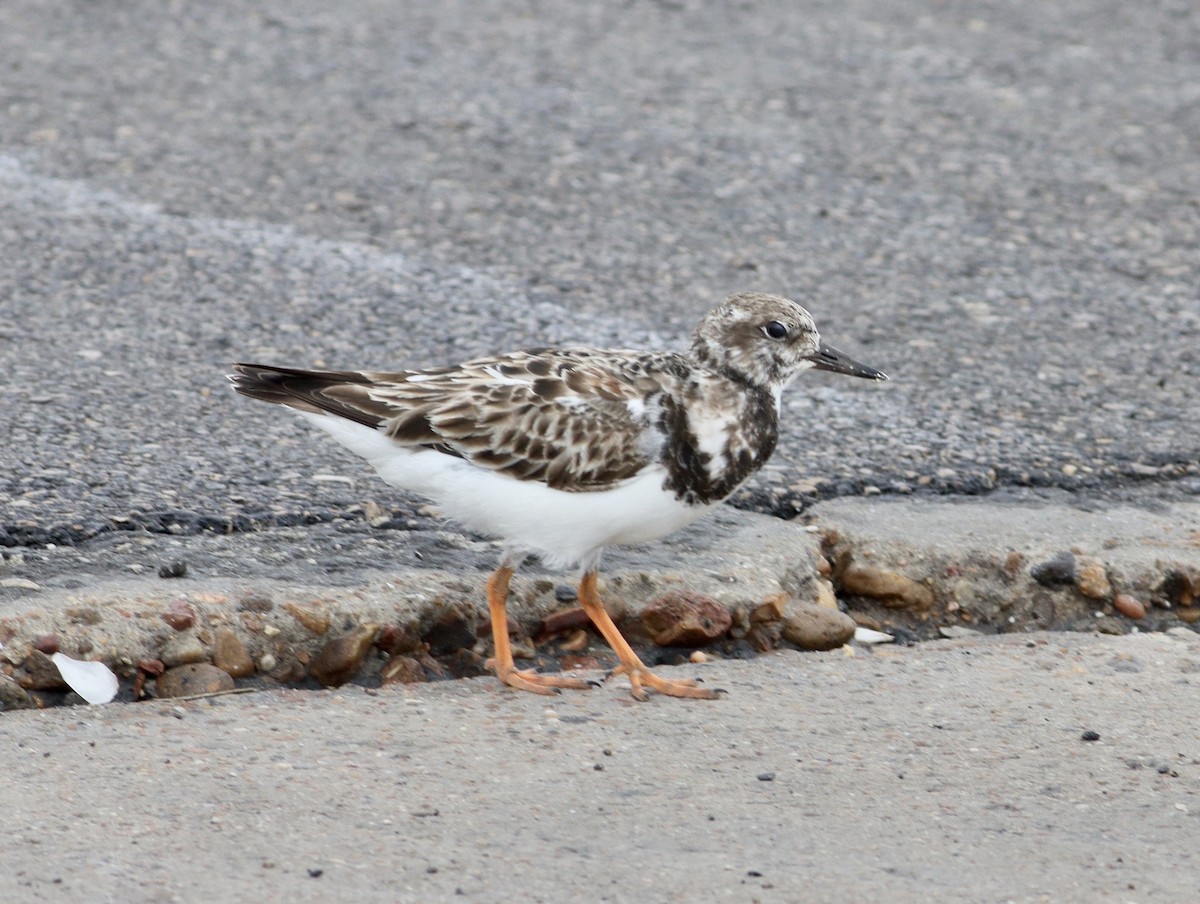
<point x="766" y="341"/>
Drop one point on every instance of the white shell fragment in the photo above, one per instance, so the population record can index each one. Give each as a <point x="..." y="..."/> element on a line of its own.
<point x="866" y="635"/>
<point x="93" y="681"/>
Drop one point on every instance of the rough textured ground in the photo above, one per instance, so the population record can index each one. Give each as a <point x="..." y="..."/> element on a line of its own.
<point x="953" y="772"/>
<point x="996" y="204"/>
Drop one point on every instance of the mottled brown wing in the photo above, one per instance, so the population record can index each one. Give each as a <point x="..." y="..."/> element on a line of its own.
<point x="574" y="419"/>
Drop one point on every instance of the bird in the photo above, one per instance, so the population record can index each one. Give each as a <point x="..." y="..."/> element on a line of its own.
<point x="561" y="452"/>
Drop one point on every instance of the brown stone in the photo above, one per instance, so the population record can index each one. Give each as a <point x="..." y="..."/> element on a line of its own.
<point x="1014" y="564"/>
<point x="1129" y="606"/>
<point x="891" y="588"/>
<point x="314" y="620"/>
<point x="179" y="615"/>
<point x="770" y="610"/>
<point x="561" y="621"/>
<point x="341" y="658"/>
<point x="1092" y="578"/>
<point x="41" y="674"/>
<point x="47" y="643"/>
<point x="866" y="621"/>
<point x="826" y="598"/>
<point x="191" y="679"/>
<point x="682" y="619"/>
<point x="287" y="667"/>
<point x="183" y="650"/>
<point x="13" y="696"/>
<point x="229" y="654"/>
<point x="812" y="627"/>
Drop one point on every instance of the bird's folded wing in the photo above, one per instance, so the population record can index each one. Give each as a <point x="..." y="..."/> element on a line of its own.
<point x="576" y="420"/>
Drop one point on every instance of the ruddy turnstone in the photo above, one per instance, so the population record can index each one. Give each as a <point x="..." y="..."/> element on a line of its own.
<point x="560" y="452"/>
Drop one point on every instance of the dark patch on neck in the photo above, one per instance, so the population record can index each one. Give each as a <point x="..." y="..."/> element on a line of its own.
<point x="688" y="468"/>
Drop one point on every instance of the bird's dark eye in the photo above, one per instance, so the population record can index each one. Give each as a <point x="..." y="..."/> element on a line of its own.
<point x="775" y="330"/>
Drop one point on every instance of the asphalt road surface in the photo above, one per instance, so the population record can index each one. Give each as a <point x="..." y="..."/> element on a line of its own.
<point x="998" y="205"/>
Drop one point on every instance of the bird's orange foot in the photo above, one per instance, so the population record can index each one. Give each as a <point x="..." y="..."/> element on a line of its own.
<point x="639" y="675"/>
<point x="537" y="683"/>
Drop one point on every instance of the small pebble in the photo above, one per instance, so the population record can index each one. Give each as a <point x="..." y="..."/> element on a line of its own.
<point x="1058" y="571"/>
<point x="684" y="619"/>
<point x="179" y="615"/>
<point x="182" y="650"/>
<point x="1092" y="578"/>
<point x="341" y="658"/>
<point x="314" y="620"/>
<point x="173" y="570"/>
<point x="1129" y="606"/>
<point x="813" y="627"/>
<point x="41" y="674"/>
<point x="193" y="678"/>
<point x="766" y="776"/>
<point x="47" y="643"/>
<point x="894" y="590"/>
<point x="563" y="620"/>
<point x="1090" y="735"/>
<point x="13" y="696"/>
<point x="770" y="610"/>
<point x="229" y="654"/>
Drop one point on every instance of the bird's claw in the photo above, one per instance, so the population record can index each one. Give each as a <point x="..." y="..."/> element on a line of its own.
<point x="537" y="683"/>
<point x="679" y="687"/>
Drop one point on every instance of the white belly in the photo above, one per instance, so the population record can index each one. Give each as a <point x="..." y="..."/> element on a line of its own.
<point x="564" y="529"/>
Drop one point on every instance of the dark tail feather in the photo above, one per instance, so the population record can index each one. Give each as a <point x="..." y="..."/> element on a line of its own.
<point x="339" y="392"/>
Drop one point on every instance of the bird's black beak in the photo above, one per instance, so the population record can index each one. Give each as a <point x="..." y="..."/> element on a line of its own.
<point x="829" y="358"/>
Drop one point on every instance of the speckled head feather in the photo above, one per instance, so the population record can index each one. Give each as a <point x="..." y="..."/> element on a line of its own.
<point x="764" y="340"/>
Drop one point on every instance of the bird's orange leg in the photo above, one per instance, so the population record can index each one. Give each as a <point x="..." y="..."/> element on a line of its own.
<point x="631" y="665"/>
<point x="528" y="679"/>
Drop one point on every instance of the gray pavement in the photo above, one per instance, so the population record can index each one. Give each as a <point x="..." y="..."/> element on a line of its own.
<point x="944" y="772"/>
<point x="996" y="204"/>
